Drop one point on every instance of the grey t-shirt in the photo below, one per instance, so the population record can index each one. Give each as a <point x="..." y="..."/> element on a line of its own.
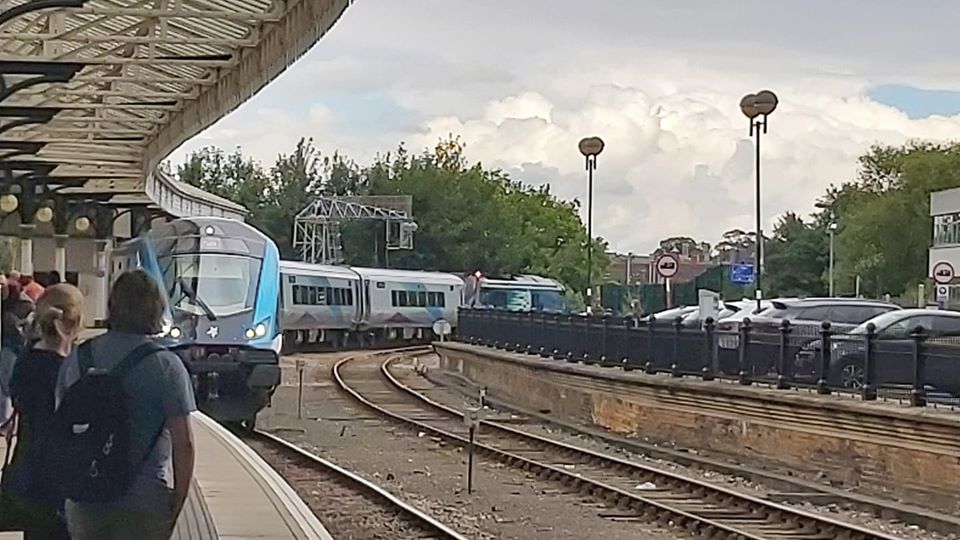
<point x="159" y="387"/>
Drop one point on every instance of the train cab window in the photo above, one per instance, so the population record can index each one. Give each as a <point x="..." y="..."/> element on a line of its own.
<point x="299" y="294"/>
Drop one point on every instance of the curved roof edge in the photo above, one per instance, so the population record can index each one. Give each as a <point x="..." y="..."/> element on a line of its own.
<point x="180" y="199"/>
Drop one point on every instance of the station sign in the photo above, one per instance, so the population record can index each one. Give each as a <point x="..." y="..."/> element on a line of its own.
<point x="741" y="274"/>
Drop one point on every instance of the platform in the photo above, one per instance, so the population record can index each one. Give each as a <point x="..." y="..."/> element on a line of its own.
<point x="235" y="495"/>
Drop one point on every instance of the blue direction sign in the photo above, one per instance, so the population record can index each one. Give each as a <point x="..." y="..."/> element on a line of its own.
<point x="741" y="274"/>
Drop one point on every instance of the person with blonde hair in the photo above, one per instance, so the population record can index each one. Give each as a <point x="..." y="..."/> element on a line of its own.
<point x="27" y="483"/>
<point x="153" y="394"/>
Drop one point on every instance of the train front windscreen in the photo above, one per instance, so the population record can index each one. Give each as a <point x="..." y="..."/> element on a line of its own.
<point x="523" y="299"/>
<point x="211" y="284"/>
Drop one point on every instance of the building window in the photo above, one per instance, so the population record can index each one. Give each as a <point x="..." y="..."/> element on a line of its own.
<point x="946" y="230"/>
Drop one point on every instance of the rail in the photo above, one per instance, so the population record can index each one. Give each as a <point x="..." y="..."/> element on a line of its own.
<point x="686" y="503"/>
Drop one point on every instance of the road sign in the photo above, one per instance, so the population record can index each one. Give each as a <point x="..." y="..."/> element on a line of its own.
<point x="943" y="272"/>
<point x="943" y="294"/>
<point x="741" y="274"/>
<point x="441" y="327"/>
<point x="667" y="266"/>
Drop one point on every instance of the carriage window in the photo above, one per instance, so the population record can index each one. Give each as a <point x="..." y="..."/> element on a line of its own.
<point x="297" y="298"/>
<point x="422" y="299"/>
<point x="349" y="296"/>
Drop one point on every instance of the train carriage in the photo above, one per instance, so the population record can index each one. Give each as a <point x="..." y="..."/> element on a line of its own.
<point x="404" y="304"/>
<point x="321" y="303"/>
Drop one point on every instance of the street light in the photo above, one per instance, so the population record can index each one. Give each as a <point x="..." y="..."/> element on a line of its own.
<point x="757" y="107"/>
<point x="590" y="147"/>
<point x="831" y="229"/>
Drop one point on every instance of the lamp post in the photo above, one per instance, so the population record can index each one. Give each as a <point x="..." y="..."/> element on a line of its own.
<point x="590" y="147"/>
<point x="757" y="107"/>
<point x="831" y="229"/>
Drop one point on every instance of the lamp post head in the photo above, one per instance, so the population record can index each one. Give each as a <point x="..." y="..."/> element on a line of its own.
<point x="748" y="106"/>
<point x="765" y="102"/>
<point x="591" y="146"/>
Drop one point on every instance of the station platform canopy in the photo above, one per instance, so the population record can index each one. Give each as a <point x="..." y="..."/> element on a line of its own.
<point x="95" y="93"/>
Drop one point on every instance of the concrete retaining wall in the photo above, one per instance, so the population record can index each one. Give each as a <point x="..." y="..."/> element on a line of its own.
<point x="878" y="448"/>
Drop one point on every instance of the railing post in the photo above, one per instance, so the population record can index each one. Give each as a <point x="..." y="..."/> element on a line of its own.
<point x="530" y="333"/>
<point x="625" y="360"/>
<point x="604" y="336"/>
<point x="782" y="361"/>
<point x="675" y="364"/>
<point x="648" y="365"/>
<point x="554" y="348"/>
<point x="869" y="390"/>
<point x="743" y="376"/>
<point x="918" y="396"/>
<point x="588" y="359"/>
<point x="826" y="351"/>
<point x="708" y="327"/>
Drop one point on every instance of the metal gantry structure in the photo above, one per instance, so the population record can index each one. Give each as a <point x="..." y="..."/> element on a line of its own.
<point x="316" y="228"/>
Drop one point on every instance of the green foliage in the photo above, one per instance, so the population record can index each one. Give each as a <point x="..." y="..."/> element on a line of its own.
<point x="469" y="218"/>
<point x="796" y="258"/>
<point x="886" y="228"/>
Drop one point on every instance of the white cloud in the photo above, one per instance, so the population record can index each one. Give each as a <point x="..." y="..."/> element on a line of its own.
<point x="522" y="82"/>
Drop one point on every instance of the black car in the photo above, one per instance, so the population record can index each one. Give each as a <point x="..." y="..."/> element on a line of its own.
<point x="893" y="331"/>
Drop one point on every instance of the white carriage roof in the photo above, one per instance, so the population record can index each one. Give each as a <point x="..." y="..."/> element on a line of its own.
<point x="105" y="89"/>
<point x="323" y="270"/>
<point x="387" y="274"/>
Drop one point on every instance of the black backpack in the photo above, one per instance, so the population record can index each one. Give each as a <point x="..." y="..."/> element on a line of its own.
<point x="94" y="429"/>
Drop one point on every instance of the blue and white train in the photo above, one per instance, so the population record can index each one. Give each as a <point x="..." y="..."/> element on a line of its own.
<point x="332" y="304"/>
<point x="223" y="313"/>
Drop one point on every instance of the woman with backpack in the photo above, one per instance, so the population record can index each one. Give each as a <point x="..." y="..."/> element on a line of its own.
<point x="30" y="493"/>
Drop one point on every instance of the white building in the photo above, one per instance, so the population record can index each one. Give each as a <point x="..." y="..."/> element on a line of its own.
<point x="945" y="252"/>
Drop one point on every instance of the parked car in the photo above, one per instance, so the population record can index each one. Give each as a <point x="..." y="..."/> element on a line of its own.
<point x="669" y="316"/>
<point x="893" y="329"/>
<point x="728" y="327"/>
<point x="727" y="309"/>
<point x="807" y="314"/>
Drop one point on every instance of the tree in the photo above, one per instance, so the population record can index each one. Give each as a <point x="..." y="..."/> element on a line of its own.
<point x="470" y="218"/>
<point x="796" y="258"/>
<point x="885" y="227"/>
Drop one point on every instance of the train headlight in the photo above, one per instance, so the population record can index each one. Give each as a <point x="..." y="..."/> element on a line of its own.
<point x="175" y="333"/>
<point x="260" y="330"/>
<point x="250" y="334"/>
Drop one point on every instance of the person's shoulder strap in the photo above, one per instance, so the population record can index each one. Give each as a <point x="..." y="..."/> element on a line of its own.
<point x="84" y="358"/>
<point x="134" y="357"/>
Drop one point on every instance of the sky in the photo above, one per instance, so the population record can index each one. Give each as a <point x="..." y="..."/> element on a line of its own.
<point x="660" y="81"/>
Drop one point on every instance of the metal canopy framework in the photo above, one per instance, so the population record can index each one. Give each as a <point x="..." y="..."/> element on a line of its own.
<point x="105" y="89"/>
<point x="316" y="228"/>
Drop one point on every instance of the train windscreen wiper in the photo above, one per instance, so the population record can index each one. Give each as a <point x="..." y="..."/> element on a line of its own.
<point x="186" y="288"/>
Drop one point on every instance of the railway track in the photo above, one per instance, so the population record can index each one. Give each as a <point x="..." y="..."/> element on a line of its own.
<point x="642" y="492"/>
<point x="350" y="506"/>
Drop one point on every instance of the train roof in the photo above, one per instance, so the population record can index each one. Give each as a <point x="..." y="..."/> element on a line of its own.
<point x="407" y="275"/>
<point x="324" y="270"/>
<point x="208" y="234"/>
<point x="524" y="280"/>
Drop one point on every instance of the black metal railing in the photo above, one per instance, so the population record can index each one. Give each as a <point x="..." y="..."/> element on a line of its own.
<point x="910" y="364"/>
